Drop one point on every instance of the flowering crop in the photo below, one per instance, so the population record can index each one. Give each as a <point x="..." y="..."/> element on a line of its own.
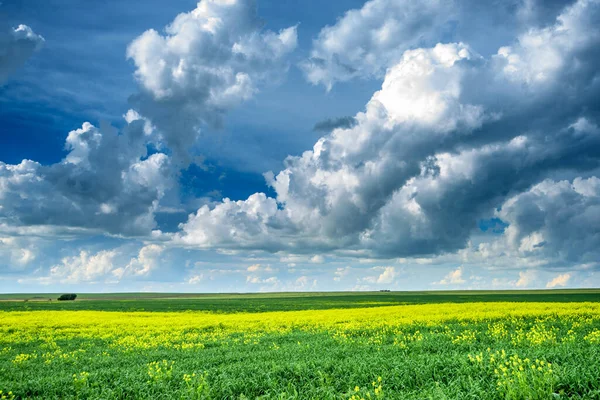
<point x="484" y="350"/>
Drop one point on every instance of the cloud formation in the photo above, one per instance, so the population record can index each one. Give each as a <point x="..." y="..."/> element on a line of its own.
<point x="453" y="278"/>
<point x="556" y="221"/>
<point x="209" y="60"/>
<point x="107" y="183"/>
<point x="364" y="42"/>
<point x="16" y="46"/>
<point x="457" y="134"/>
<point x="84" y="267"/>
<point x="560" y="281"/>
<point x="449" y="138"/>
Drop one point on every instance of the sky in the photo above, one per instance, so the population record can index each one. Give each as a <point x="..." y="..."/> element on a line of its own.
<point x="270" y="145"/>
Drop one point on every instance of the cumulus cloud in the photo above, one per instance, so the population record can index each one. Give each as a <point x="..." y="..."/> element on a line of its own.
<point x="107" y="182"/>
<point x="195" y="279"/>
<point x="16" y="46"/>
<point x="453" y="278"/>
<point x="447" y="140"/>
<point x="142" y="265"/>
<point x="17" y="252"/>
<point x="84" y="267"/>
<point x="105" y="266"/>
<point x="208" y="60"/>
<point x="388" y="275"/>
<point x="526" y="278"/>
<point x="556" y="221"/>
<point x="364" y="42"/>
<point x="454" y="135"/>
<point x="560" y="280"/>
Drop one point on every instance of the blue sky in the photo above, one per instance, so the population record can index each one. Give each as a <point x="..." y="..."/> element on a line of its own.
<point x="233" y="145"/>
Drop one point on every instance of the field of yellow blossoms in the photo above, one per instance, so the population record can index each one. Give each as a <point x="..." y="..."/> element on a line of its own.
<point x="430" y="351"/>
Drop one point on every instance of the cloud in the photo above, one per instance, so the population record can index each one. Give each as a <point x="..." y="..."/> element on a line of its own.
<point x="142" y="265"/>
<point x="304" y="283"/>
<point x="340" y="273"/>
<point x="364" y="42"/>
<point x="447" y="140"/>
<point x="196" y="279"/>
<point x="456" y="134"/>
<point x="383" y="276"/>
<point x="526" y="278"/>
<point x="254" y="268"/>
<point x="17" y="252"/>
<point x="560" y="280"/>
<point x="453" y="278"/>
<point x="317" y="259"/>
<point x="333" y="123"/>
<point x="258" y="272"/>
<point x="556" y="221"/>
<point x="84" y="267"/>
<point x="210" y="59"/>
<point x="388" y="275"/>
<point x="255" y="280"/>
<point x="107" y="183"/>
<point x="16" y="46"/>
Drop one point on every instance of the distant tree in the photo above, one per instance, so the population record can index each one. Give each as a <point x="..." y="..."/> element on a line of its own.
<point x="70" y="296"/>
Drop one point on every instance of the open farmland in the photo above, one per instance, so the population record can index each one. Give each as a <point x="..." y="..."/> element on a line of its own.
<point x="364" y="348"/>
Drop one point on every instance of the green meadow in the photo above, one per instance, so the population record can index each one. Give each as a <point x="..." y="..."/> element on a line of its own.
<point x="371" y="345"/>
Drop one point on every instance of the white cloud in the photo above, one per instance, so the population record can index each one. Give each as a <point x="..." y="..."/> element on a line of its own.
<point x="317" y="259"/>
<point x="387" y="276"/>
<point x="196" y="279"/>
<point x="526" y="278"/>
<point x="254" y="268"/>
<point x="84" y="267"/>
<point x="255" y="280"/>
<point x="364" y="42"/>
<point x="106" y="183"/>
<point x="446" y="141"/>
<point x="539" y="54"/>
<point x="146" y="261"/>
<point x="210" y="59"/>
<point x="17" y="252"/>
<point x="304" y="283"/>
<point x="453" y="278"/>
<point x="560" y="280"/>
<point x="452" y="137"/>
<point x="340" y="273"/>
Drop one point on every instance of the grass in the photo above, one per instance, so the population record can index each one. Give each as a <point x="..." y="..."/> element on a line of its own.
<point x="538" y="345"/>
<point x="245" y="302"/>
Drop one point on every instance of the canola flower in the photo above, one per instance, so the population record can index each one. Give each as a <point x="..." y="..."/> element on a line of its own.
<point x="159" y="371"/>
<point x="6" y="396"/>
<point x="192" y="330"/>
<point x="80" y="380"/>
<point x="169" y="344"/>
<point x="518" y="377"/>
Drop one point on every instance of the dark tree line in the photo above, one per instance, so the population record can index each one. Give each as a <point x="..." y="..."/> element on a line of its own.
<point x="64" y="297"/>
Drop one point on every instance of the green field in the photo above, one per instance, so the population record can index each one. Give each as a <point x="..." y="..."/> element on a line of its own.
<point x="369" y="345"/>
<point x="261" y="302"/>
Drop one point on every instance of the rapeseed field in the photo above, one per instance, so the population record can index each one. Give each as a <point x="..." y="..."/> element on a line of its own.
<point x="497" y="350"/>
